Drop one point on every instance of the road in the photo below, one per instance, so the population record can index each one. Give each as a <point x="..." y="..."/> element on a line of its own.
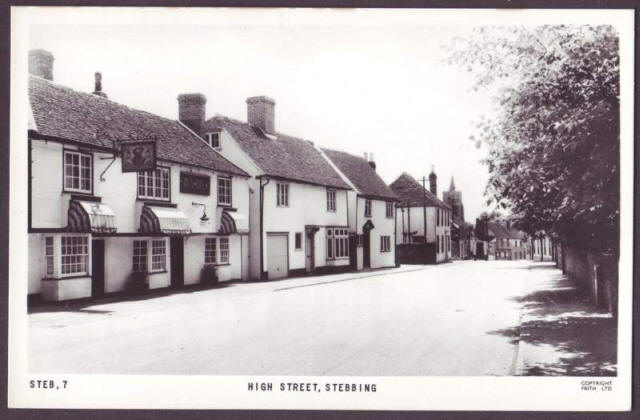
<point x="459" y="318"/>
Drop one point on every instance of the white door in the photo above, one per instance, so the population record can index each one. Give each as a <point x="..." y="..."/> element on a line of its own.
<point x="277" y="255"/>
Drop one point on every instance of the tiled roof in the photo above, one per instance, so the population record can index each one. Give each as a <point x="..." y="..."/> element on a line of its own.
<point x="361" y="174"/>
<point x="500" y="231"/>
<point x="410" y="191"/>
<point x="281" y="157"/>
<point x="93" y="120"/>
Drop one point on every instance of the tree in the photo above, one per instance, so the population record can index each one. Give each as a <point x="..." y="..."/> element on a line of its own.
<point x="553" y="144"/>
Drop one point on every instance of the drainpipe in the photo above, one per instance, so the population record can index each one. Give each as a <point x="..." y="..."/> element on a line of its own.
<point x="409" y="222"/>
<point x="395" y="233"/>
<point x="262" y="275"/>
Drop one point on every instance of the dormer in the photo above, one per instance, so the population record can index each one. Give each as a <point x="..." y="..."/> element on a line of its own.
<point x="212" y="138"/>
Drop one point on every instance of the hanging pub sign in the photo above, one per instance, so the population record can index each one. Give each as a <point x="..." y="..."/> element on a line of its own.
<point x="138" y="156"/>
<point x="194" y="184"/>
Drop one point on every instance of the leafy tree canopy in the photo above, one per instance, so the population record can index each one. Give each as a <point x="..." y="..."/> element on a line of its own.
<point x="553" y="144"/>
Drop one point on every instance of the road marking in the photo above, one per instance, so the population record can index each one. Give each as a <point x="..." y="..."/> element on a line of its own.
<point x="349" y="279"/>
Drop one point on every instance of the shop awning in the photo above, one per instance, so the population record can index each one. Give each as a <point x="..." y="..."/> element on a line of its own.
<point x="167" y="220"/>
<point x="90" y="216"/>
<point x="229" y="221"/>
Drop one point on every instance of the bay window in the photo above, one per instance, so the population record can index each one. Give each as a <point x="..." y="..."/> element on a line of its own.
<point x="210" y="250"/>
<point x="74" y="255"/>
<point x="224" y="250"/>
<point x="337" y="243"/>
<point x="140" y="256"/>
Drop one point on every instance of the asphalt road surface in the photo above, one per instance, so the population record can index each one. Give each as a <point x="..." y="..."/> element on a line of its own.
<point x="459" y="318"/>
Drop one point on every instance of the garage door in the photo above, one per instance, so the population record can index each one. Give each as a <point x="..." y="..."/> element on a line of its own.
<point x="277" y="256"/>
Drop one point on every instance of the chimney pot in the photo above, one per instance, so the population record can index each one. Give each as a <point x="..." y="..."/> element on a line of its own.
<point x="41" y="64"/>
<point x="261" y="113"/>
<point x="191" y="111"/>
<point x="98" y="85"/>
<point x="372" y="163"/>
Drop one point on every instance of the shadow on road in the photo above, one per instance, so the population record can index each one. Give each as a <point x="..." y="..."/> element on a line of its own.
<point x="561" y="333"/>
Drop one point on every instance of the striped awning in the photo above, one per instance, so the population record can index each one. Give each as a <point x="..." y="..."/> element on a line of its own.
<point x="90" y="216"/>
<point x="229" y="221"/>
<point x="167" y="220"/>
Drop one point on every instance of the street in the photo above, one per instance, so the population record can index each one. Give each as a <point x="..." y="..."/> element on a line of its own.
<point x="461" y="318"/>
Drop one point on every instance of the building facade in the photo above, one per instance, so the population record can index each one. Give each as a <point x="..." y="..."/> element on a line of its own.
<point x="95" y="229"/>
<point x="299" y="221"/>
<point x="542" y="248"/>
<point x="372" y="212"/>
<point x="507" y="243"/>
<point x="422" y="217"/>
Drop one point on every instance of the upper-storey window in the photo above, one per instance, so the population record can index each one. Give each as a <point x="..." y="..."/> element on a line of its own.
<point x="77" y="171"/>
<point x="224" y="191"/>
<point x="154" y="184"/>
<point x="331" y="200"/>
<point x="213" y="139"/>
<point x="282" y="191"/>
<point x="389" y="212"/>
<point x="367" y="208"/>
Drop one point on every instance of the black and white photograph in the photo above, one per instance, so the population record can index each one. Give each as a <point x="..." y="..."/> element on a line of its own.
<point x="321" y="208"/>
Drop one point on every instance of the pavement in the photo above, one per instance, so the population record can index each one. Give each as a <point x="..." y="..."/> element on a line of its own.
<point x="467" y="318"/>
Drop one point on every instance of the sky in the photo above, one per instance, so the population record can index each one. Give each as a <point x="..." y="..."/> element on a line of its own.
<point x="377" y="88"/>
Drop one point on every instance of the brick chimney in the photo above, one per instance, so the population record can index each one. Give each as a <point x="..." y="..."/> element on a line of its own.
<point x="98" y="85"/>
<point x="191" y="110"/>
<point x="41" y="64"/>
<point x="433" y="182"/>
<point x="261" y="113"/>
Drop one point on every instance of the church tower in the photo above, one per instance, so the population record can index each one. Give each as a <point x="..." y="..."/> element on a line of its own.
<point x="454" y="199"/>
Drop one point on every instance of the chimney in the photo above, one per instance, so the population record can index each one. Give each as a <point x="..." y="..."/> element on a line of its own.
<point x="372" y="163"/>
<point x="261" y="113"/>
<point x="98" y="85"/>
<point x="433" y="182"/>
<point x="41" y="64"/>
<point x="191" y="111"/>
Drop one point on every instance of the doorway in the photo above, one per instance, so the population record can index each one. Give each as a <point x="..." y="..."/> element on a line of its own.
<point x="310" y="251"/>
<point x="366" y="248"/>
<point x="97" y="267"/>
<point x="177" y="261"/>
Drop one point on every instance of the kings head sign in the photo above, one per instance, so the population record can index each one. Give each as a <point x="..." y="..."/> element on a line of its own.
<point x="138" y="156"/>
<point x="194" y="184"/>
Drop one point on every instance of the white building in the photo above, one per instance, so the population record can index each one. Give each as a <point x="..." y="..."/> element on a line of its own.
<point x="94" y="229"/>
<point x="299" y="220"/>
<point x="371" y="211"/>
<point x="422" y="214"/>
<point x="542" y="248"/>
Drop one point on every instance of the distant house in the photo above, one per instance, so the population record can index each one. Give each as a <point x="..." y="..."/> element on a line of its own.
<point x="422" y="217"/>
<point x="466" y="241"/>
<point x="94" y="229"/>
<point x="460" y="232"/>
<point x="298" y="203"/>
<point x="507" y="243"/>
<point x="542" y="247"/>
<point x="372" y="211"/>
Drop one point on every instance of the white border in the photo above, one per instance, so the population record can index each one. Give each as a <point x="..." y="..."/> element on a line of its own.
<point x="393" y="393"/>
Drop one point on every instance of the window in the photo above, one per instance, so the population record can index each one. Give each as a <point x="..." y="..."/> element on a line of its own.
<point x="331" y="200"/>
<point x="74" y="254"/>
<point x="337" y="243"/>
<point x="140" y="256"/>
<point x="367" y="208"/>
<point x="48" y="252"/>
<point x="385" y="243"/>
<point x="224" y="250"/>
<point x="438" y="243"/>
<point x="389" y="211"/>
<point x="210" y="250"/>
<point x="158" y="255"/>
<point x="298" y="240"/>
<point x="282" y="190"/>
<point x="213" y="140"/>
<point x="224" y="191"/>
<point x="77" y="171"/>
<point x="154" y="184"/>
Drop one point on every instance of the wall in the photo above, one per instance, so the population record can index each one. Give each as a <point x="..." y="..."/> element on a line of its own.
<point x="384" y="226"/>
<point x="596" y="275"/>
<point x="46" y="185"/>
<point x="307" y="206"/>
<point x="194" y="259"/>
<point x="36" y="268"/>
